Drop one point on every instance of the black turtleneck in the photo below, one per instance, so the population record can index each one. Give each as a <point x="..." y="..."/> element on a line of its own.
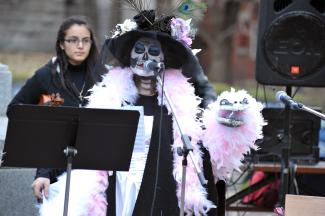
<point x="77" y="75"/>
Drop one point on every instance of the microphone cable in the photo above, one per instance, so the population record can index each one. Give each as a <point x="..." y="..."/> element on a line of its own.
<point x="264" y="93"/>
<point x="159" y="145"/>
<point x="295" y="92"/>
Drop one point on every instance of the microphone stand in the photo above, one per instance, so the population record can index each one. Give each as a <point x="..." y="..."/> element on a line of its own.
<point x="187" y="149"/>
<point x="286" y="147"/>
<point x="287" y="166"/>
<point x="70" y="152"/>
<point x="307" y="109"/>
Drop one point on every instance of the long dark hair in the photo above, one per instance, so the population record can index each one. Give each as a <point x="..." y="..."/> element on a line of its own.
<point x="62" y="58"/>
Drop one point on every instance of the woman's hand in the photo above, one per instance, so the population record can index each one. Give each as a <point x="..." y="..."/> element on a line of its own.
<point x="39" y="186"/>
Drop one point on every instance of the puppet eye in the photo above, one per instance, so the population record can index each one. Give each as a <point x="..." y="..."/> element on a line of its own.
<point x="224" y="102"/>
<point x="244" y="101"/>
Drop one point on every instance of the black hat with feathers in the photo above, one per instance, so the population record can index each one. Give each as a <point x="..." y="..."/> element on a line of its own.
<point x="120" y="46"/>
<point x="116" y="51"/>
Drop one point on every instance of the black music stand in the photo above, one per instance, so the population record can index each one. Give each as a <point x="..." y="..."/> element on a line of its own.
<point x="50" y="137"/>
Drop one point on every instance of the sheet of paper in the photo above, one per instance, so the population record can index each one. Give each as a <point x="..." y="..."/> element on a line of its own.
<point x="128" y="183"/>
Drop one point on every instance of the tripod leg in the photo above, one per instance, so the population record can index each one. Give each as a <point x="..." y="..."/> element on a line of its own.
<point x="284" y="185"/>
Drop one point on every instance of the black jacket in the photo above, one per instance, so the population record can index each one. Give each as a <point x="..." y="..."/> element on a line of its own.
<point x="46" y="80"/>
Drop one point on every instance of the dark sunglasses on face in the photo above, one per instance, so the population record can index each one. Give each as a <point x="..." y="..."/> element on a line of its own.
<point x="140" y="48"/>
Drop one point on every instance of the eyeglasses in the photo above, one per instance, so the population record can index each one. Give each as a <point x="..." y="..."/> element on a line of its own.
<point x="76" y="41"/>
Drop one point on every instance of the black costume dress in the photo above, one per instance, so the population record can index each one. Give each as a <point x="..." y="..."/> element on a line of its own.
<point x="166" y="202"/>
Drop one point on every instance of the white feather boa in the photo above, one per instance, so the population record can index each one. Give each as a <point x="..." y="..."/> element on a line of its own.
<point x="118" y="89"/>
<point x="87" y="195"/>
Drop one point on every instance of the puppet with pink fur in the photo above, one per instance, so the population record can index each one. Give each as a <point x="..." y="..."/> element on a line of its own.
<point x="233" y="123"/>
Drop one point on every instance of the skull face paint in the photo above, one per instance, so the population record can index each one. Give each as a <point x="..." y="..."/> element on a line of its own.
<point x="143" y="50"/>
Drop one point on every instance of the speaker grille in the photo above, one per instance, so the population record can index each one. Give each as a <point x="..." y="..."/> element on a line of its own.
<point x="318" y="5"/>
<point x="295" y="39"/>
<point x="291" y="43"/>
<point x="279" y="5"/>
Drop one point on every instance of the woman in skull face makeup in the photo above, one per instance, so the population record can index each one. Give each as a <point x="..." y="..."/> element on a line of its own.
<point x="145" y="50"/>
<point x="152" y="186"/>
<point x="139" y="88"/>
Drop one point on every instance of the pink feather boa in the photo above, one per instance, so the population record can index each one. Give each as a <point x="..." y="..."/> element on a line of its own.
<point x="118" y="86"/>
<point x="186" y="105"/>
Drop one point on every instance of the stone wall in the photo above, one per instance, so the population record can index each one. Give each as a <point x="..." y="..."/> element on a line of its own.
<point x="16" y="195"/>
<point x="32" y="25"/>
<point x="29" y="25"/>
<point x="5" y="97"/>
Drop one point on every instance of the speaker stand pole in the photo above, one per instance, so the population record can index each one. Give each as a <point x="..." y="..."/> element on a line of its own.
<point x="287" y="167"/>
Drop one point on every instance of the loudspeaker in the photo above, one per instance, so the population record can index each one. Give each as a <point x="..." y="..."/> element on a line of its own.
<point x="291" y="43"/>
<point x="304" y="132"/>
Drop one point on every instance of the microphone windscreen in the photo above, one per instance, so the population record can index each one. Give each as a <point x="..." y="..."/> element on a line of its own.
<point x="280" y="95"/>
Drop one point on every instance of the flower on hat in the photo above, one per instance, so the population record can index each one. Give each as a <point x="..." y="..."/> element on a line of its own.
<point x="181" y="31"/>
<point x="126" y="26"/>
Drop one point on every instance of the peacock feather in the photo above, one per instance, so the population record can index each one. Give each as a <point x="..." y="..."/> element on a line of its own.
<point x="191" y="9"/>
<point x="186" y="9"/>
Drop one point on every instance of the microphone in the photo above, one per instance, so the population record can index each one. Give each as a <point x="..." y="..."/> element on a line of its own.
<point x="282" y="96"/>
<point x="153" y="66"/>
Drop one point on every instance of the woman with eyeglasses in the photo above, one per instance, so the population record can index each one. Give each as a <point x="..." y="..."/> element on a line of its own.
<point x="66" y="77"/>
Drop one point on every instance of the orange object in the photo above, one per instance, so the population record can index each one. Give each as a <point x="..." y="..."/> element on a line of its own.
<point x="51" y="100"/>
<point x="295" y="70"/>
